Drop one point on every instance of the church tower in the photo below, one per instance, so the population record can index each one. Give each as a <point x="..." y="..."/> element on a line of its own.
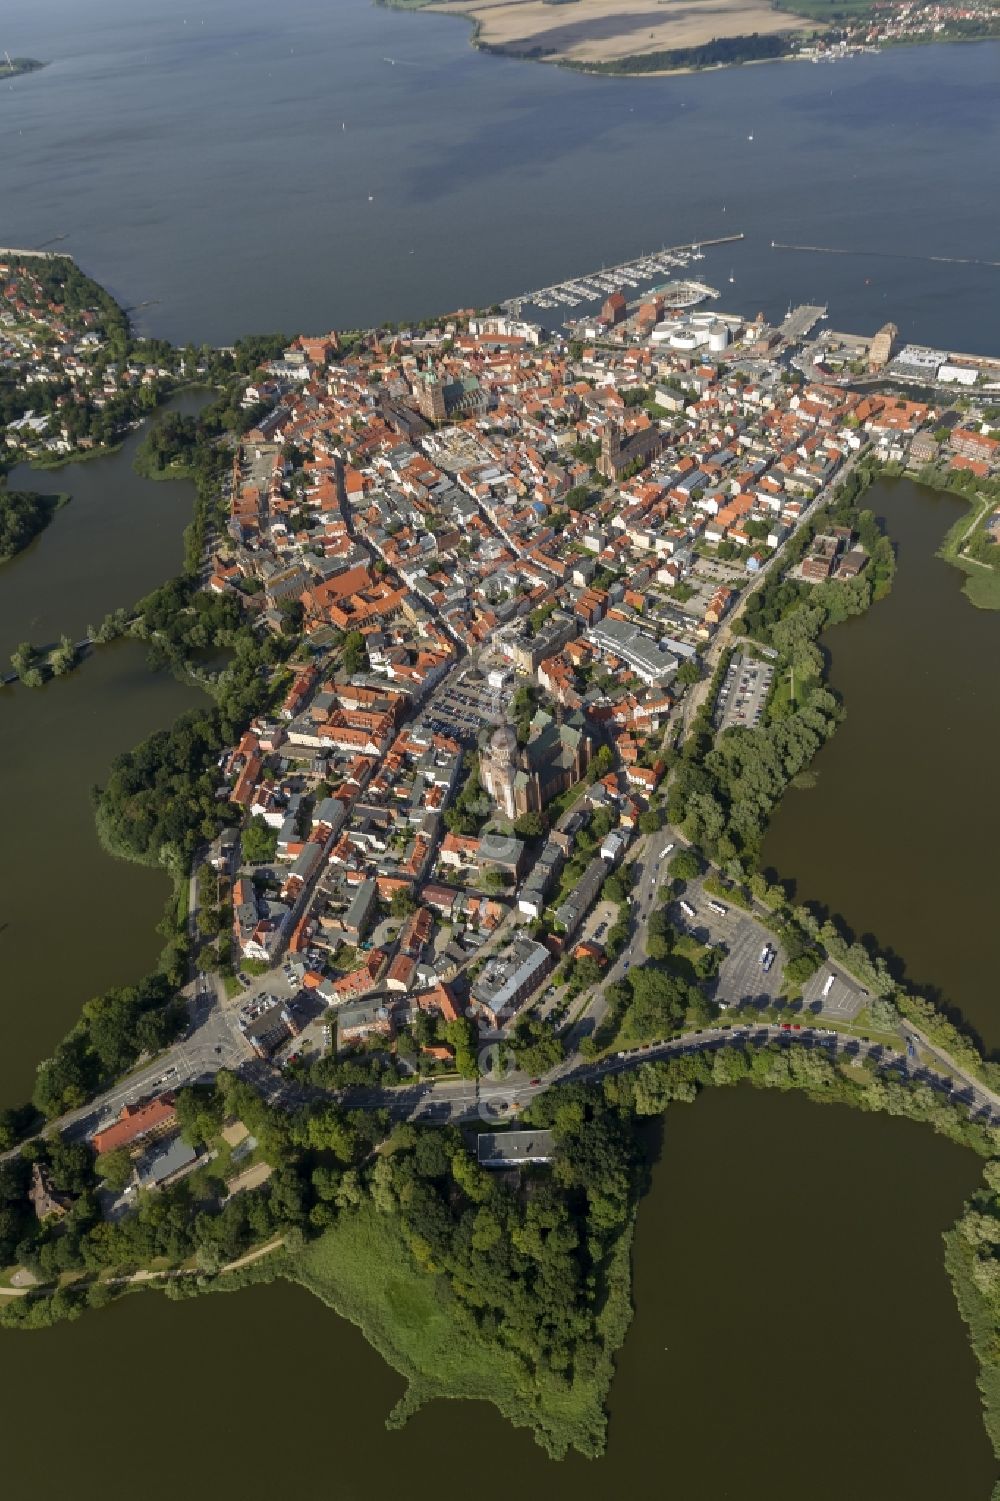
<point x="611" y="447"/>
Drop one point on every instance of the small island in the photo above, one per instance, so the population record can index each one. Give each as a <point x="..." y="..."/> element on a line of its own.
<point x="13" y="67"/>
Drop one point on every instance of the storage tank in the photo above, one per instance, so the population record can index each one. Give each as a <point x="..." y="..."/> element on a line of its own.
<point x="718" y="337"/>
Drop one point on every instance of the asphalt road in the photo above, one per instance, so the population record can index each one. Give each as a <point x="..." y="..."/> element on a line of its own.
<point x="454" y="1101"/>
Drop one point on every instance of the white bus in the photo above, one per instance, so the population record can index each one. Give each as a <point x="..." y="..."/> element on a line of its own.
<point x="718" y="909"/>
<point x="687" y="909"/>
<point x="830" y="979"/>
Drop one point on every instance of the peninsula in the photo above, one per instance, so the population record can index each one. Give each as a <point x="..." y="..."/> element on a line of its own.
<point x="519" y="630"/>
<point x="670" y="36"/>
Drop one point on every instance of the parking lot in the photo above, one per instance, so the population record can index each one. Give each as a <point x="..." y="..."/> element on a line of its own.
<point x="844" y="998"/>
<point x="743" y="693"/>
<point x="464" y="707"/>
<point x="742" y="976"/>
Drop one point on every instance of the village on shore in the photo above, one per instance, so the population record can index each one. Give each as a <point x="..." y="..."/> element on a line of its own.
<point x="510" y="560"/>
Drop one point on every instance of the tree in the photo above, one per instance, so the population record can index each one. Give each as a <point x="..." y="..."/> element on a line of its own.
<point x="651" y="820"/>
<point x="460" y="1035"/>
<point x="115" y="1168"/>
<point x="530" y="825"/>
<point x="586" y="972"/>
<point x="355" y="653"/>
<point x="259" y="842"/>
<point x="883" y="1014"/>
<point x="798" y="970"/>
<point x="659" y="1002"/>
<point x="62" y="658"/>
<point x="402" y="903"/>
<point x="536" y="1046"/>
<point x="24" y="662"/>
<point x="688" y="672"/>
<point x="685" y="866"/>
<point x="661" y="936"/>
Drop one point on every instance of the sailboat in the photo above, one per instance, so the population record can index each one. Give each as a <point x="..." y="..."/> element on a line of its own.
<point x="732" y="278"/>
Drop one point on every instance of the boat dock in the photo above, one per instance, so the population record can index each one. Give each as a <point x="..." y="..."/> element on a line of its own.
<point x="800" y="321"/>
<point x="596" y="285"/>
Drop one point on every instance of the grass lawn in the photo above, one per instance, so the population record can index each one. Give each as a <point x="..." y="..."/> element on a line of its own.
<point x="362" y="1268"/>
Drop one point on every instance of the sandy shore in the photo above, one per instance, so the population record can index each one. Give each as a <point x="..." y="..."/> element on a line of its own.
<point x="600" y="31"/>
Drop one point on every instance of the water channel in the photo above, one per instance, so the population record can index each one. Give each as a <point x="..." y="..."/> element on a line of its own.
<point x="795" y="1335"/>
<point x="899" y="834"/>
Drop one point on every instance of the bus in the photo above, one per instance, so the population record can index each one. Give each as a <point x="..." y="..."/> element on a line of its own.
<point x="830" y="980"/>
<point x="687" y="909"/>
<point x="718" y="909"/>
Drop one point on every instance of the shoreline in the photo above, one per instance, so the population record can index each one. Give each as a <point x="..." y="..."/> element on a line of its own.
<point x="943" y="1115"/>
<point x="617" y="66"/>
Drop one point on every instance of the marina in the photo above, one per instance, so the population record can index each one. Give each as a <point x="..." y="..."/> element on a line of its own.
<point x="594" y="285"/>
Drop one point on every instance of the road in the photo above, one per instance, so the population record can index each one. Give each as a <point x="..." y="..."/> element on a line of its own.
<point x="213" y="1042"/>
<point x="454" y="1101"/>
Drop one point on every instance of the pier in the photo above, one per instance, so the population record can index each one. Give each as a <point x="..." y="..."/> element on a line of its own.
<point x="800" y="321"/>
<point x="593" y="286"/>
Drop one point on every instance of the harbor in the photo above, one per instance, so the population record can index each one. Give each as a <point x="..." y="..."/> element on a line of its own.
<point x="596" y="285"/>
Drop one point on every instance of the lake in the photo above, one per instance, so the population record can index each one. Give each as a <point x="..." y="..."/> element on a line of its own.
<point x="795" y="1335"/>
<point x="244" y="166"/>
<point x="74" y="920"/>
<point x="118" y="538"/>
<point x="227" y="167"/>
<point x="899" y="834"/>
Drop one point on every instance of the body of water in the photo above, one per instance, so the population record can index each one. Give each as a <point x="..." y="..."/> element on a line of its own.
<point x="237" y="167"/>
<point x="74" y="920"/>
<point x="118" y="538"/>
<point x="245" y="167"/>
<point x="899" y="834"/>
<point x="795" y="1335"/>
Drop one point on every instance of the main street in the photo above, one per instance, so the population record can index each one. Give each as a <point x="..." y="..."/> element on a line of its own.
<point x="455" y="1101"/>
